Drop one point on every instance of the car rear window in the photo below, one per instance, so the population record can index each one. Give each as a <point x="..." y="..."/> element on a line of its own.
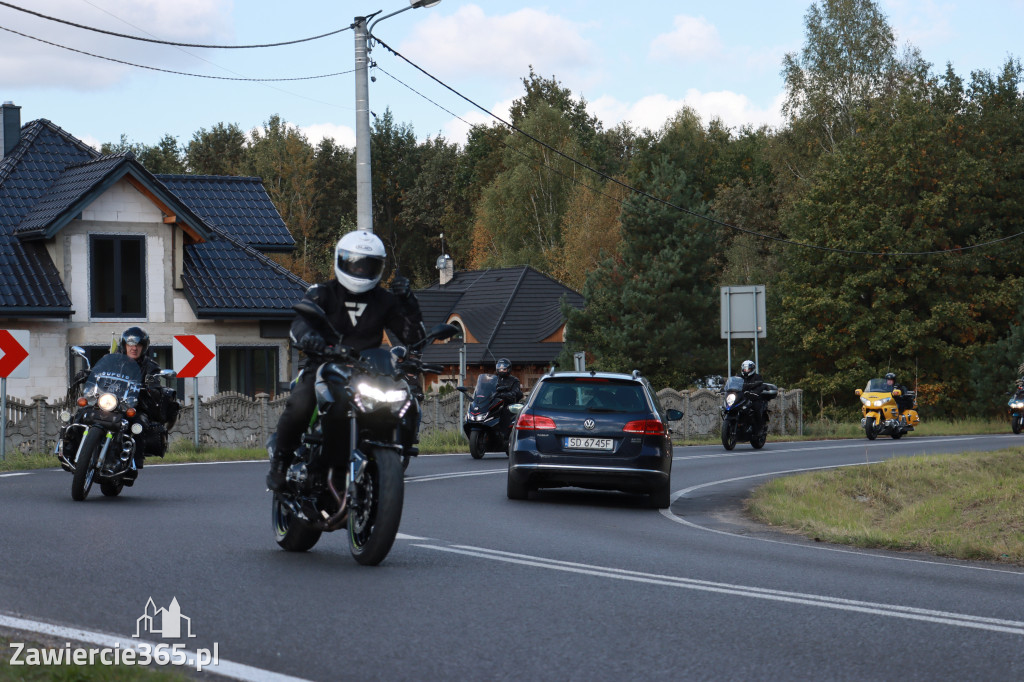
<point x="590" y="396"/>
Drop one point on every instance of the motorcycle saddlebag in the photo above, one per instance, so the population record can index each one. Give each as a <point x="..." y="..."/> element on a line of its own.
<point x="769" y="391"/>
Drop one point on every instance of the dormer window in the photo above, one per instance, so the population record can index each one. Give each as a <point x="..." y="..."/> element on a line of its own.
<point x="117" y="275"/>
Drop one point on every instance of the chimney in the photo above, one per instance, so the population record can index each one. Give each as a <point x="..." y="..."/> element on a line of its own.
<point x="447" y="268"/>
<point x="10" y="128"/>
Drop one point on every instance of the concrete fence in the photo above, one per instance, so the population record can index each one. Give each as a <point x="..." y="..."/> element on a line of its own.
<point x="236" y="420"/>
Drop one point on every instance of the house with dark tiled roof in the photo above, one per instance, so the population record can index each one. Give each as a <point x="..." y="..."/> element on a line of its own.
<point x="513" y="313"/>
<point x="91" y="244"/>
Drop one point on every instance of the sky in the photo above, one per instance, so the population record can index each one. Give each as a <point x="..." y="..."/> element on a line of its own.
<point x="631" y="62"/>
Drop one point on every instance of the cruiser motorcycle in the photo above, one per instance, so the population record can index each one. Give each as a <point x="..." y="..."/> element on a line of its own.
<point x="738" y="413"/>
<point x="882" y="415"/>
<point x="356" y="485"/>
<point x="488" y="423"/>
<point x="99" y="441"/>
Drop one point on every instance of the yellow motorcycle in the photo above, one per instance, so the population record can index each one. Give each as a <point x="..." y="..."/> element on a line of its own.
<point x="882" y="416"/>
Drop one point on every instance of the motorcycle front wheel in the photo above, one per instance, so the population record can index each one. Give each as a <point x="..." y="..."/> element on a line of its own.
<point x="1016" y="424"/>
<point x="291" y="533"/>
<point x="759" y="440"/>
<point x="869" y="428"/>
<point x="85" y="466"/>
<point x="376" y="511"/>
<point x="477" y="442"/>
<point x="728" y="435"/>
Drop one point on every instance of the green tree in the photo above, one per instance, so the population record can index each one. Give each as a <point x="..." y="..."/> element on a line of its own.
<point x="164" y="157"/>
<point x="218" y="151"/>
<point x="653" y="305"/>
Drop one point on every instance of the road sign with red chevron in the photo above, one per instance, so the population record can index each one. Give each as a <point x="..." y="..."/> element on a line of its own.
<point x="14" y="353"/>
<point x="193" y="355"/>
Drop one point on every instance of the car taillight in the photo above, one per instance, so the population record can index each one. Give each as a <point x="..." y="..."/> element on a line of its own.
<point x="534" y="422"/>
<point x="647" y="427"/>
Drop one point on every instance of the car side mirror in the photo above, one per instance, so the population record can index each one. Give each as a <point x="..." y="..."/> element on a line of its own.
<point x="516" y="408"/>
<point x="674" y="415"/>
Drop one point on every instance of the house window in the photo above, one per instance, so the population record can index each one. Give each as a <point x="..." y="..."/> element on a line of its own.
<point x="118" y="276"/>
<point x="247" y="370"/>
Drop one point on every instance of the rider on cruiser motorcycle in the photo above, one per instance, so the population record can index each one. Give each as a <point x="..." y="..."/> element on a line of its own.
<point x="360" y="309"/>
<point x="903" y="402"/>
<point x="134" y="343"/>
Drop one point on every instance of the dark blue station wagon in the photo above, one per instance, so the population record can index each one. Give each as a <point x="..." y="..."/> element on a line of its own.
<point x="597" y="430"/>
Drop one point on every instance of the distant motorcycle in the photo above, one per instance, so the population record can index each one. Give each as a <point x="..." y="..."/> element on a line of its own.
<point x="1016" y="409"/>
<point x="488" y="422"/>
<point x="99" y="442"/>
<point x="359" y="484"/>
<point x="738" y="413"/>
<point x="882" y="415"/>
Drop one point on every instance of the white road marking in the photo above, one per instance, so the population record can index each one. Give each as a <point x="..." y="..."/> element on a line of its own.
<point x="1012" y="627"/>
<point x="237" y="671"/>
<point x="17" y="473"/>
<point x="461" y="474"/>
<point x="667" y="513"/>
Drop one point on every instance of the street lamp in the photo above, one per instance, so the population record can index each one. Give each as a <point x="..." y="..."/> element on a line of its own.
<point x="364" y="187"/>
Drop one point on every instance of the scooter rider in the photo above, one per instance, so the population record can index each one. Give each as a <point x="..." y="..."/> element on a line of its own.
<point x="359" y="309"/>
<point x="508" y="385"/>
<point x="753" y="382"/>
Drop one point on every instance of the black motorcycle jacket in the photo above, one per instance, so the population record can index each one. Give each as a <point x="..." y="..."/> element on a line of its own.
<point x="362" y="318"/>
<point x="509" y="386"/>
<point x="753" y="382"/>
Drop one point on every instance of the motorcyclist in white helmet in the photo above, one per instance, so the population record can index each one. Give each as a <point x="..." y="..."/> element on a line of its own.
<point x="753" y="382"/>
<point x="360" y="310"/>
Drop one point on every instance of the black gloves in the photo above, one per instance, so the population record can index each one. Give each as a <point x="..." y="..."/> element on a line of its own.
<point x="312" y="342"/>
<point x="400" y="287"/>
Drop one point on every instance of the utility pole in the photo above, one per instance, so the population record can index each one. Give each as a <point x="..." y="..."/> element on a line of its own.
<point x="364" y="178"/>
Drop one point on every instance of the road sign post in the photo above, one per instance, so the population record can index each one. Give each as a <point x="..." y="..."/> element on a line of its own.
<point x="193" y="357"/>
<point x="14" y="344"/>
<point x="743" y="317"/>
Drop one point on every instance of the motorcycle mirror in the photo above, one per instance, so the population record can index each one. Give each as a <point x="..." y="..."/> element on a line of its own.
<point x="897" y="392"/>
<point x="311" y="311"/>
<point x="858" y="392"/>
<point x="80" y="352"/>
<point x="462" y="389"/>
<point x="444" y="331"/>
<point x="674" y="415"/>
<point x="168" y="373"/>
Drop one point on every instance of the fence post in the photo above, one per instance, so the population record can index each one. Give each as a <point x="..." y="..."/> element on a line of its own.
<point x="39" y="405"/>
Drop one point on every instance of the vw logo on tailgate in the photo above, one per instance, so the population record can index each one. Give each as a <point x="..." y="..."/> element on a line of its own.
<point x="589" y="424"/>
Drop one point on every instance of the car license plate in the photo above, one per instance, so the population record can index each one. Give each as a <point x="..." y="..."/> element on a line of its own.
<point x="572" y="443"/>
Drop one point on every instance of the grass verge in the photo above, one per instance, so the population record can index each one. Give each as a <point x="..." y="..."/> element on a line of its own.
<point x="965" y="506"/>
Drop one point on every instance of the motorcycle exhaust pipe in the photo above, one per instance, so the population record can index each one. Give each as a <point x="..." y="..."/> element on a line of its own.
<point x="336" y="520"/>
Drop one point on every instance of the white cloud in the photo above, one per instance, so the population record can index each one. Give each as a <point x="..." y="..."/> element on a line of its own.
<point x="653" y="111"/>
<point x="28" y="62"/>
<point x="342" y="135"/>
<point x="469" y="42"/>
<point x="692" y="38"/>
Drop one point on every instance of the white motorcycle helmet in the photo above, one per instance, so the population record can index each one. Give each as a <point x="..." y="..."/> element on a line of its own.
<point x="359" y="261"/>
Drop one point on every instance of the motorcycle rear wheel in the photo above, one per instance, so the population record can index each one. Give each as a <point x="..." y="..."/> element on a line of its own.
<point x="290" y="532"/>
<point x="728" y="435"/>
<point x="85" y="467"/>
<point x="1016" y="424"/>
<point x="477" y="442"/>
<point x="869" y="428"/>
<point x="373" y="523"/>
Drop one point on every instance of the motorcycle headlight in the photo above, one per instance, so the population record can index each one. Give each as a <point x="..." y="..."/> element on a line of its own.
<point x="1017" y="405"/>
<point x="865" y="401"/>
<point x="730" y="399"/>
<point x="368" y="396"/>
<point x="108" y="402"/>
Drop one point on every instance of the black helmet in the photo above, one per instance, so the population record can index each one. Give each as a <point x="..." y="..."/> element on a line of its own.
<point x="501" y="366"/>
<point x="889" y="376"/>
<point x="747" y="367"/>
<point x="134" y="336"/>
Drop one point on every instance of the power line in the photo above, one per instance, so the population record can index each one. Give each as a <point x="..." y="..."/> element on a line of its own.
<point x="168" y="42"/>
<point x="177" y="73"/>
<point x="682" y="209"/>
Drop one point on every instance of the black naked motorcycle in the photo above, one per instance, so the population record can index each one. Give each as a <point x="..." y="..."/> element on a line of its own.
<point x="738" y="413"/>
<point x="488" y="422"/>
<point x="358" y="484"/>
<point x="99" y="441"/>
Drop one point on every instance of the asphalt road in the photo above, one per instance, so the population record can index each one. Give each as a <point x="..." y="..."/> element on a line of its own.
<point x="570" y="585"/>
